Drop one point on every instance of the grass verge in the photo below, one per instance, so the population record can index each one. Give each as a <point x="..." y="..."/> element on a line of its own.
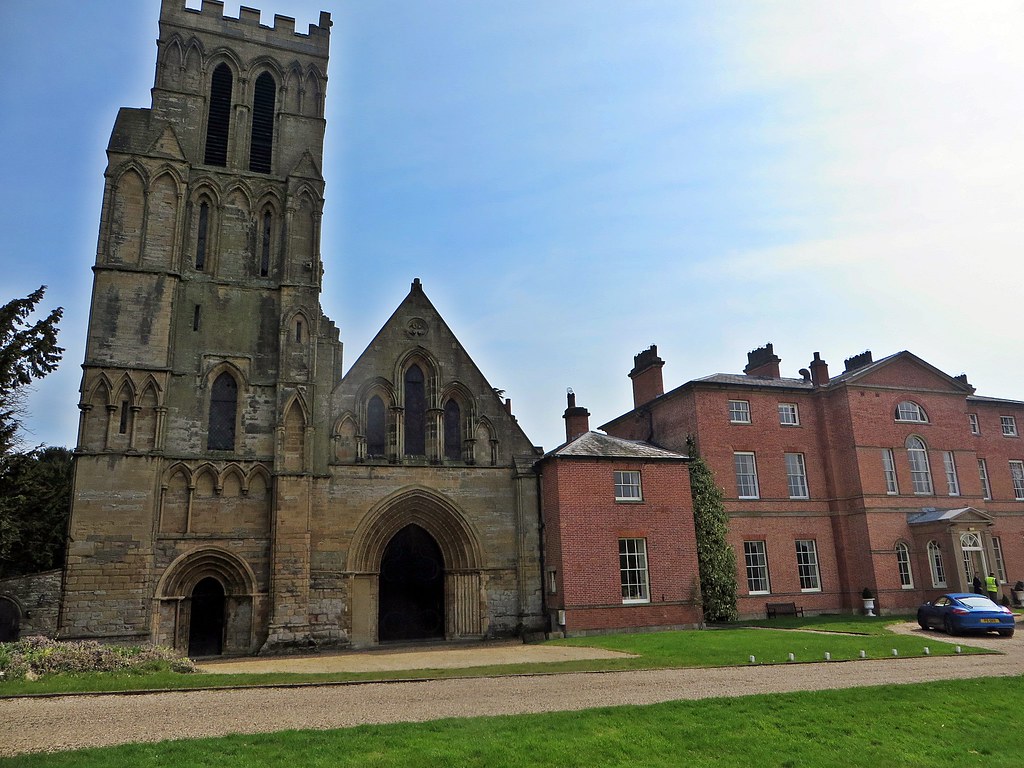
<point x="712" y="648"/>
<point x="948" y="723"/>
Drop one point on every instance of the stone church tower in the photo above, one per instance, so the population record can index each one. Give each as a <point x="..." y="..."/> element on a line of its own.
<point x="233" y="493"/>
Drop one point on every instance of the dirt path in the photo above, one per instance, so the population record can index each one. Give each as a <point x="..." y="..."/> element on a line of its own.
<point x="32" y="725"/>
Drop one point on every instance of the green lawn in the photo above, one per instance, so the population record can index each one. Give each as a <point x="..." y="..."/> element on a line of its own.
<point x="955" y="724"/>
<point x="717" y="647"/>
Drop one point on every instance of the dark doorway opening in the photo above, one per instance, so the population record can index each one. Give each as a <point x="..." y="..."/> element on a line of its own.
<point x="206" y="624"/>
<point x="411" y="587"/>
<point x="10" y="620"/>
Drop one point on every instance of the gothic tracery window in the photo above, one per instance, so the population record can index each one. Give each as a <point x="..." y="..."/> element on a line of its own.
<point x="452" y="430"/>
<point x="375" y="427"/>
<point x="415" y="412"/>
<point x="223" y="411"/>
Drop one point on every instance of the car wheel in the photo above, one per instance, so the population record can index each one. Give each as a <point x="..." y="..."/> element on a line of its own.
<point x="948" y="626"/>
<point x="922" y="622"/>
<point x="1006" y="633"/>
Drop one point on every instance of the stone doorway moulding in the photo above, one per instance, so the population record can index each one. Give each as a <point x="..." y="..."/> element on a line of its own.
<point x="187" y="580"/>
<point x="465" y="613"/>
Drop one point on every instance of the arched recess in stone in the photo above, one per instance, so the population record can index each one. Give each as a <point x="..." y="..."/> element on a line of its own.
<point x="124" y="241"/>
<point x="171" y="63"/>
<point x="256" y="501"/>
<point x="146" y="418"/>
<point x="161" y="221"/>
<point x="95" y="416"/>
<point x="303" y="229"/>
<point x="458" y="407"/>
<point x="293" y="84"/>
<point x="465" y="598"/>
<point x="312" y="95"/>
<point x="122" y="413"/>
<point x="235" y="234"/>
<point x="175" y="500"/>
<point x="174" y="594"/>
<point x="485" y="445"/>
<point x="293" y="442"/>
<point x="192" y="80"/>
<point x="344" y="437"/>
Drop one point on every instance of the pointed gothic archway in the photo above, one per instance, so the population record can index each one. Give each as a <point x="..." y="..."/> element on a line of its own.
<point x="411" y="601"/>
<point x="407" y="531"/>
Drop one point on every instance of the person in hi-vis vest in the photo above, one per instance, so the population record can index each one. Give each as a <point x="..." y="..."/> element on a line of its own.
<point x="992" y="587"/>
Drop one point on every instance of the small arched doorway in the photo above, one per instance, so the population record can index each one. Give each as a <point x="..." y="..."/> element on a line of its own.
<point x="10" y="620"/>
<point x="206" y="621"/>
<point x="411" y="601"/>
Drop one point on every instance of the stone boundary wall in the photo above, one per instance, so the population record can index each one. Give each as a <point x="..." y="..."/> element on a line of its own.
<point x="37" y="597"/>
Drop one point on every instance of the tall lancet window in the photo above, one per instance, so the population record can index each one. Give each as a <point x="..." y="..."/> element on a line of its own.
<point x="415" y="412"/>
<point x="201" y="236"/>
<point x="218" y="118"/>
<point x="261" y="145"/>
<point x="223" y="411"/>
<point x="375" y="427"/>
<point x="265" y="248"/>
<point x="452" y="430"/>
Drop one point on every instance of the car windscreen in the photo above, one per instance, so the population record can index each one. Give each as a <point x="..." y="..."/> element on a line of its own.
<point x="979" y="602"/>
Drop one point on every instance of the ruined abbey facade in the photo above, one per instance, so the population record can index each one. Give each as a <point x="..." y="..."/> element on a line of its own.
<point x="233" y="491"/>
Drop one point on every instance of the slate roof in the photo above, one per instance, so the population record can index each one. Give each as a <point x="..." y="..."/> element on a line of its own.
<point x="994" y="400"/>
<point x="744" y="380"/>
<point x="931" y="515"/>
<point x="598" y="445"/>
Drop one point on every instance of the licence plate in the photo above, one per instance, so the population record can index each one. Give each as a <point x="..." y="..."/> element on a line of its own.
<point x="989" y="621"/>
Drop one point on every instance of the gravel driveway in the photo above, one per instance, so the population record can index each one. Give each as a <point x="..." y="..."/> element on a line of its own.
<point x="70" y="722"/>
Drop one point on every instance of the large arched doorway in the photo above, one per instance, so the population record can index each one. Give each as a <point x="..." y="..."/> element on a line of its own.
<point x="10" y="620"/>
<point x="411" y="602"/>
<point x="206" y="621"/>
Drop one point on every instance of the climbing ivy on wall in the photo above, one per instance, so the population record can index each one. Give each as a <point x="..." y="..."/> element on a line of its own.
<point x="715" y="557"/>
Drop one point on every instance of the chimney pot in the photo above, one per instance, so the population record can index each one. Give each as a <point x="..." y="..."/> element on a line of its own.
<point x="577" y="419"/>
<point x="819" y="371"/>
<point x="646" y="375"/>
<point x="763" y="362"/>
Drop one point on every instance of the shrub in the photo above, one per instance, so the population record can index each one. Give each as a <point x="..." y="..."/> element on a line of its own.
<point x="36" y="656"/>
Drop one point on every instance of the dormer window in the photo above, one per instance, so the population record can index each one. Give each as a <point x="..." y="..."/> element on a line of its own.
<point x="910" y="411"/>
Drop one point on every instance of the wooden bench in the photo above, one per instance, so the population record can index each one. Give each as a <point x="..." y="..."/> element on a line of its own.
<point x="782" y="609"/>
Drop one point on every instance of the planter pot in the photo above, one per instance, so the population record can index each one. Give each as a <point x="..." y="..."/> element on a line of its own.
<point x="869" y="606"/>
<point x="1018" y="597"/>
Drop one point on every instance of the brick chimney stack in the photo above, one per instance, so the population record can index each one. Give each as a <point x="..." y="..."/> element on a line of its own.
<point x="819" y="371"/>
<point x="646" y="376"/>
<point x="763" y="362"/>
<point x="577" y="418"/>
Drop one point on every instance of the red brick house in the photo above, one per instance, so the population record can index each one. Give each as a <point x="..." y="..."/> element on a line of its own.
<point x="619" y="544"/>
<point x="892" y="476"/>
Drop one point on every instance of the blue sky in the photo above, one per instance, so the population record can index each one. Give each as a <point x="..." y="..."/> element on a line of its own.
<point x="574" y="181"/>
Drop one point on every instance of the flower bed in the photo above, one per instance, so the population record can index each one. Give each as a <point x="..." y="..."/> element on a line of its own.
<point x="34" y="657"/>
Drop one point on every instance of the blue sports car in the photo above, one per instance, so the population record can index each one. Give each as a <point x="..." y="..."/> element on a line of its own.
<point x="965" y="612"/>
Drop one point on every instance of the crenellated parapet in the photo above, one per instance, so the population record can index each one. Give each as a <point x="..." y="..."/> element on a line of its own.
<point x="211" y="17"/>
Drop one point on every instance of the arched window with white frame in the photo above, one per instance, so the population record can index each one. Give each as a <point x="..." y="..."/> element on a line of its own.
<point x="935" y="563"/>
<point x="911" y="411"/>
<point x="903" y="565"/>
<point x="920" y="472"/>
